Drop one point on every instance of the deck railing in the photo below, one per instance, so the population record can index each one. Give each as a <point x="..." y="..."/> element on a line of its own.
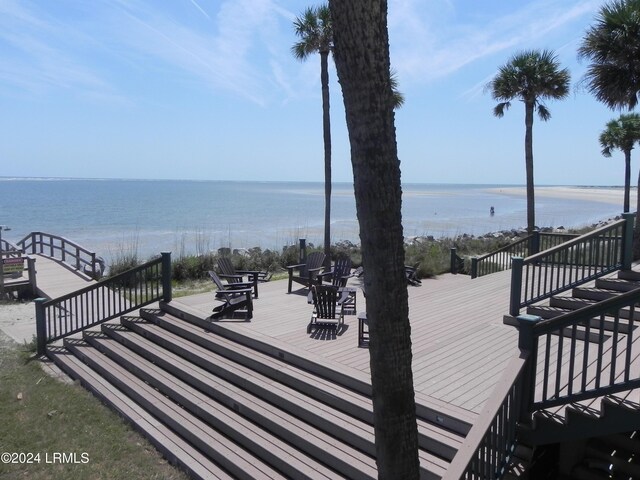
<point x="102" y="301"/>
<point x="572" y="368"/>
<point x="557" y="365"/>
<point x="570" y="264"/>
<point x="500" y="260"/>
<point x="68" y="252"/>
<point x="11" y="254"/>
<point x="491" y="442"/>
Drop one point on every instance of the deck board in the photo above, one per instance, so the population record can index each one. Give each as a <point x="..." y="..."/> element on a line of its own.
<point x="460" y="345"/>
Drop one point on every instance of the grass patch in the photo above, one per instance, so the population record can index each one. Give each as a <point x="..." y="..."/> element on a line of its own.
<point x="41" y="415"/>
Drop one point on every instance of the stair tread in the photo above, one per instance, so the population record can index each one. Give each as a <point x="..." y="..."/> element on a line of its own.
<point x="428" y="408"/>
<point x="358" y="400"/>
<point x="235" y="455"/>
<point x="234" y="421"/>
<point x="159" y="434"/>
<point x="305" y="404"/>
<point x="188" y="424"/>
<point x="265" y="360"/>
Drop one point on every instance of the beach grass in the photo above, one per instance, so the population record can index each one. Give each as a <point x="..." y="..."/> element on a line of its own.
<point x="63" y="430"/>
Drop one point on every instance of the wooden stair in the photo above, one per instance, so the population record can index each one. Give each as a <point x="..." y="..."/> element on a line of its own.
<point x="222" y="408"/>
<point x="584" y="296"/>
<point x="610" y="457"/>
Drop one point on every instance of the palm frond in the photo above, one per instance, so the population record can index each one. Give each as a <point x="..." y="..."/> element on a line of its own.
<point x="315" y="31"/>
<point x="612" y="45"/>
<point x="543" y="112"/>
<point x="500" y="108"/>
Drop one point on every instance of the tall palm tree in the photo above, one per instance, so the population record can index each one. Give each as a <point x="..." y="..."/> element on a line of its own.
<point x="316" y="36"/>
<point x="530" y="76"/>
<point x="612" y="45"/>
<point x="361" y="55"/>
<point x="622" y="134"/>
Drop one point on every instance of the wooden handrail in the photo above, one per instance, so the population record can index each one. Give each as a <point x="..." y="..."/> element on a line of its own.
<point x="571" y="243"/>
<point x="573" y="369"/>
<point x="486" y="450"/>
<point x="570" y="264"/>
<point x="69" y="252"/>
<point x="102" y="301"/>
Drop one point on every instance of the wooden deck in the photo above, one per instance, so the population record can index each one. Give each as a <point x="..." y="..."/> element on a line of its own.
<point x="56" y="279"/>
<point x="460" y="348"/>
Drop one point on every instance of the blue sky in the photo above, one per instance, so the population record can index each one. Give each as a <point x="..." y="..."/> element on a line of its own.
<point x="203" y="89"/>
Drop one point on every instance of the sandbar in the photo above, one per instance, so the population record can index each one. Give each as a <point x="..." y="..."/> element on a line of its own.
<point x="610" y="195"/>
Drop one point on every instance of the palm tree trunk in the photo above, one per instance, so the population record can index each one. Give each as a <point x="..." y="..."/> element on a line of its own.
<point x="528" y="158"/>
<point x="326" y="128"/>
<point x="627" y="179"/>
<point x="636" y="230"/>
<point x="361" y="54"/>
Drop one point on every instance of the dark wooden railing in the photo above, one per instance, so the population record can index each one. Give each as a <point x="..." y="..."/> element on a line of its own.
<point x="572" y="369"/>
<point x="12" y="254"/>
<point x="102" y="301"/>
<point x="555" y="366"/>
<point x="500" y="260"/>
<point x="65" y="250"/>
<point x="570" y="264"/>
<point x="457" y="262"/>
<point x="491" y="442"/>
<point x="557" y="363"/>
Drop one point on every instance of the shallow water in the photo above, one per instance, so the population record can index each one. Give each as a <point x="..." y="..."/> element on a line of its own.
<point x="114" y="216"/>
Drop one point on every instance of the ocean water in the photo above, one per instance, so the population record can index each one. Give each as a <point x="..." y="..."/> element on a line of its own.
<point x="149" y="216"/>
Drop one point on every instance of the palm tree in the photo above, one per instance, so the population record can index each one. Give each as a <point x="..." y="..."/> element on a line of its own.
<point x="361" y="55"/>
<point x="316" y="35"/>
<point x="530" y="76"/>
<point x="613" y="47"/>
<point x="622" y="134"/>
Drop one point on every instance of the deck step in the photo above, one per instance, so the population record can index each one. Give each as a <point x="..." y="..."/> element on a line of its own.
<point x="593" y="293"/>
<point x="547" y="311"/>
<point x="174" y="448"/>
<point x="617" y="284"/>
<point x="253" y="407"/>
<point x="441" y="414"/>
<point x="573" y="303"/>
<point x="225" y="418"/>
<point x="432" y="437"/>
<point x="632" y="275"/>
<point x="232" y="457"/>
<point x="438" y="446"/>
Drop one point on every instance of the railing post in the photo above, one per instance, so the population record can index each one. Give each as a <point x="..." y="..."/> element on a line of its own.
<point x="166" y="277"/>
<point x="302" y="257"/>
<point x="453" y="265"/>
<point x="528" y="342"/>
<point x="516" y="286"/>
<point x="31" y="271"/>
<point x="627" y="243"/>
<point x="534" y="243"/>
<point x="41" y="326"/>
<point x="474" y="267"/>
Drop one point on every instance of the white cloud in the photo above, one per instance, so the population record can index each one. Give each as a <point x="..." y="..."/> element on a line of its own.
<point x="427" y="45"/>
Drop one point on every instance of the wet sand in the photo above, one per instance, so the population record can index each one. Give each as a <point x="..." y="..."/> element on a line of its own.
<point x="611" y="195"/>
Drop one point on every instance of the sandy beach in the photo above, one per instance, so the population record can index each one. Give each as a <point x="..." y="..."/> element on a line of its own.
<point x="610" y="195"/>
<point x="18" y="321"/>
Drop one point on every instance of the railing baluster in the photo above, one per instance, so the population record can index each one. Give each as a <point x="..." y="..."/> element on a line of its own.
<point x="559" y="363"/>
<point x="629" y="341"/>
<point x="547" y="361"/>
<point x="599" y="361"/>
<point x="614" y="349"/>
<point x="585" y="357"/>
